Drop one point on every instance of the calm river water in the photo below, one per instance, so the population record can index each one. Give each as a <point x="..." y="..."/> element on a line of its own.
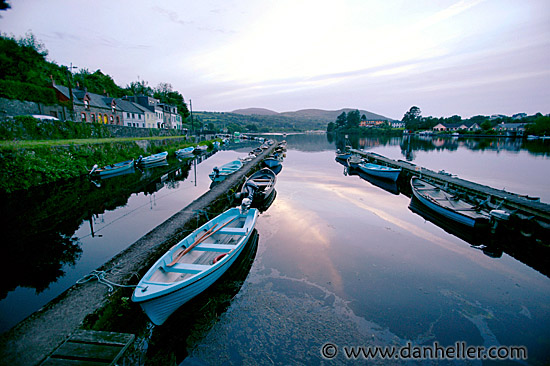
<point x="338" y="259"/>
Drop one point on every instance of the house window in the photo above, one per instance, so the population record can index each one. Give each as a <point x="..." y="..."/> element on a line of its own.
<point x="105" y="118"/>
<point x="111" y="119"/>
<point x="117" y="120"/>
<point x="86" y="104"/>
<point x="83" y="117"/>
<point x="127" y="114"/>
<point x="113" y="108"/>
<point x="92" y="116"/>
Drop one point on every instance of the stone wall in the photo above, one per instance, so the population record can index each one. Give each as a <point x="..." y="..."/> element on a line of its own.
<point x="14" y="107"/>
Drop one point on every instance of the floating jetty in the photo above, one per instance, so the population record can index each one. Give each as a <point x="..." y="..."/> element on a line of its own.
<point x="55" y="331"/>
<point x="527" y="206"/>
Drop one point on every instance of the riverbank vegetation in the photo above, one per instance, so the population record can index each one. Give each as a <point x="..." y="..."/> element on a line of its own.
<point x="534" y="124"/>
<point x="25" y="164"/>
<point x="350" y="123"/>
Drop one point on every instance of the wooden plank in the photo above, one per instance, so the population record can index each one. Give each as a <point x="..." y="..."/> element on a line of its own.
<point x="102" y="337"/>
<point x="233" y="231"/>
<point x="65" y="362"/>
<point x="91" y="348"/>
<point x="215" y="247"/>
<point x="186" y="268"/>
<point x="87" y="351"/>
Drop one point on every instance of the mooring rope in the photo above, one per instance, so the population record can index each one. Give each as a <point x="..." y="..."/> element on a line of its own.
<point x="100" y="277"/>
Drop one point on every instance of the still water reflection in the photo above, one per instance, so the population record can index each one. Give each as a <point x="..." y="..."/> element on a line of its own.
<point x="61" y="232"/>
<point x="338" y="258"/>
<point x="345" y="261"/>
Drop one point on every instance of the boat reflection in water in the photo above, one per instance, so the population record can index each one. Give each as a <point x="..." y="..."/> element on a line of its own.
<point x="385" y="184"/>
<point x="193" y="320"/>
<point x="475" y="237"/>
<point x="528" y="250"/>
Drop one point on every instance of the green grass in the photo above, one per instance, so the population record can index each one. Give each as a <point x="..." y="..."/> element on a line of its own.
<point x="29" y="144"/>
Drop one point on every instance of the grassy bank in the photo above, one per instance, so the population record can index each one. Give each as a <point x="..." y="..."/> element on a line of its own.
<point x="25" y="164"/>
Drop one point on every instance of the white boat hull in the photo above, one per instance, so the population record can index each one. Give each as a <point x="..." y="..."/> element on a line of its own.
<point x="167" y="286"/>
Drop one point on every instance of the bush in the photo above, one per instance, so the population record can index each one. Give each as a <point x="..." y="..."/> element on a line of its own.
<point x="24" y="91"/>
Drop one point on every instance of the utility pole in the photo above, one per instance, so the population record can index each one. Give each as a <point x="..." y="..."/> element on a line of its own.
<point x="69" y="78"/>
<point x="191" y="109"/>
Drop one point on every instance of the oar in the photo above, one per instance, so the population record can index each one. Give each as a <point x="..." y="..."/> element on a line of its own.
<point x="198" y="241"/>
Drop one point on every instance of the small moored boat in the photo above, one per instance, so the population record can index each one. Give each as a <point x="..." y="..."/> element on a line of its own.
<point x="195" y="263"/>
<point x="112" y="169"/>
<point x="344" y="155"/>
<point x="447" y="204"/>
<point x="354" y="161"/>
<point x="186" y="152"/>
<point x="152" y="159"/>
<point x="219" y="174"/>
<point x="273" y="160"/>
<point x="259" y="186"/>
<point x="380" y="171"/>
<point x="199" y="149"/>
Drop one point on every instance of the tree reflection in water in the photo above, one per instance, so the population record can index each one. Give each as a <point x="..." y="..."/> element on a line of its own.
<point x="38" y="225"/>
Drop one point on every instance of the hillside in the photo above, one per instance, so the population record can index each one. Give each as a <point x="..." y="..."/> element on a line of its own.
<point x="255" y="111"/>
<point x="330" y="116"/>
<point x="318" y="115"/>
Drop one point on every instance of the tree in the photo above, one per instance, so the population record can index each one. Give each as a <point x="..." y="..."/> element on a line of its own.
<point x="486" y="125"/>
<point x="353" y="119"/>
<point x="540" y="127"/>
<point x="4" y="5"/>
<point x="98" y="83"/>
<point x="165" y="94"/>
<point x="341" y="120"/>
<point x="412" y="118"/>
<point x="252" y="127"/>
<point x="330" y="127"/>
<point x="139" y="88"/>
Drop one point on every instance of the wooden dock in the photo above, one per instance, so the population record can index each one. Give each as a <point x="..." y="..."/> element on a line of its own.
<point x="90" y="347"/>
<point x="498" y="197"/>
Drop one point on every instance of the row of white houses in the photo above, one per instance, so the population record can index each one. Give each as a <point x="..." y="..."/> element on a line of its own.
<point x="133" y="111"/>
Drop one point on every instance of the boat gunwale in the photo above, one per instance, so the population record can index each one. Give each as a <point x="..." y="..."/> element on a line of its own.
<point x="479" y="219"/>
<point x="180" y="285"/>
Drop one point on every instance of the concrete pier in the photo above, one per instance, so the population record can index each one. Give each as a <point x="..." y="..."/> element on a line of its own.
<point x="504" y="199"/>
<point x="32" y="340"/>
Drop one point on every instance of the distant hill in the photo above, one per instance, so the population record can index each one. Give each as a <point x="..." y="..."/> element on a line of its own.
<point x="255" y="111"/>
<point x="265" y="120"/>
<point x="319" y="115"/>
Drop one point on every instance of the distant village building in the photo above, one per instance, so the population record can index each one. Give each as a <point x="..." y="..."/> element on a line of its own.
<point x="511" y="129"/>
<point x="371" y="123"/>
<point x="456" y="127"/>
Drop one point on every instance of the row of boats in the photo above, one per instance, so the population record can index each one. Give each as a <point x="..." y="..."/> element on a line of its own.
<point x="197" y="261"/>
<point x="151" y="160"/>
<point x="431" y="195"/>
